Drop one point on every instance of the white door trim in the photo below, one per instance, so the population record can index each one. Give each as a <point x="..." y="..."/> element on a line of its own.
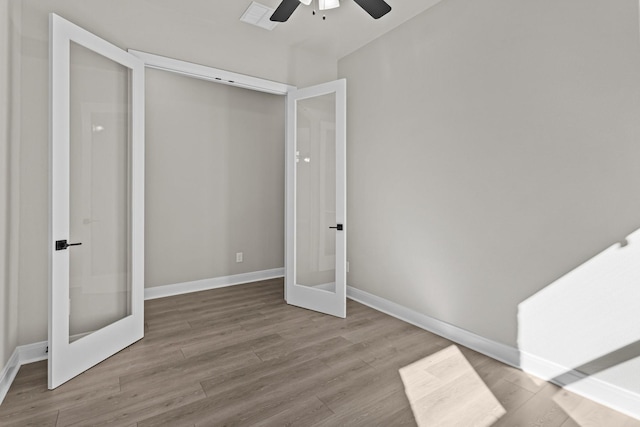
<point x="215" y="75"/>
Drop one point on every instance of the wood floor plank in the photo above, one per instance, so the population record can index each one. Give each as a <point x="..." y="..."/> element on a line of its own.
<point x="310" y="329"/>
<point x="381" y="354"/>
<point x="540" y="408"/>
<point x="239" y="377"/>
<point x="379" y="327"/>
<point x="204" y="343"/>
<point x="237" y="402"/>
<point x="288" y="321"/>
<point x="41" y="419"/>
<point x="511" y="396"/>
<point x="242" y="356"/>
<point x="463" y="401"/>
<point x="198" y="367"/>
<point x="586" y="413"/>
<point x="492" y="371"/>
<point x="273" y="394"/>
<point x="131" y="362"/>
<point x="304" y="412"/>
<point x="27" y="403"/>
<point x="400" y="417"/>
<point x="371" y="412"/>
<point x="288" y="346"/>
<point x="127" y="407"/>
<point x="30" y="373"/>
<point x="358" y="386"/>
<point x="178" y="340"/>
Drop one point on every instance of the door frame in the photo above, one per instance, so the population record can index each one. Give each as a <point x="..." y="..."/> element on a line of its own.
<point x="215" y="75"/>
<point x="230" y="78"/>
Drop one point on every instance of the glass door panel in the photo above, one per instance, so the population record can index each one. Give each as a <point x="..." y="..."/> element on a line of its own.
<point x="315" y="273"/>
<point x="99" y="217"/>
<point x="316" y="192"/>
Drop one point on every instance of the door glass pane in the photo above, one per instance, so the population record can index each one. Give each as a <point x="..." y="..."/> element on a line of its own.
<point x="100" y="268"/>
<point x="316" y="192"/>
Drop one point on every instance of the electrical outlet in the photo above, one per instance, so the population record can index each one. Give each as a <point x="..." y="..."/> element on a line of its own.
<point x="239" y="257"/>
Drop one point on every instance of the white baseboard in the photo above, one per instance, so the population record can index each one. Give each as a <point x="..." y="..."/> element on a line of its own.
<point x="589" y="387"/>
<point x="21" y="356"/>
<point x="493" y="349"/>
<point x="593" y="388"/>
<point x="8" y="374"/>
<point x="33" y="352"/>
<point x="214" y="283"/>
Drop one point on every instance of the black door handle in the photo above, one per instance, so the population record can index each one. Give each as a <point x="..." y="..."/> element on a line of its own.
<point x="62" y="245"/>
<point x="338" y="227"/>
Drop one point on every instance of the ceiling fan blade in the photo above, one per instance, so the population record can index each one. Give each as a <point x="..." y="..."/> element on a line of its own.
<point x="284" y="10"/>
<point x="375" y="8"/>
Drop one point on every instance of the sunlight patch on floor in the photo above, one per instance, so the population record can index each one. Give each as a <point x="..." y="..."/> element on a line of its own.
<point x="444" y="390"/>
<point x="587" y="413"/>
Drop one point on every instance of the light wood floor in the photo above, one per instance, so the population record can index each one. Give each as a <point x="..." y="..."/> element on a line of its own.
<point x="241" y="356"/>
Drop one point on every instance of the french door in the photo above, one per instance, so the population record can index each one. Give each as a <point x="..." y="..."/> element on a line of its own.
<point x="315" y="273"/>
<point x="96" y="200"/>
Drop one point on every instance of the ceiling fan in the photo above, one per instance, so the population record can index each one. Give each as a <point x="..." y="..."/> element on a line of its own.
<point x="375" y="8"/>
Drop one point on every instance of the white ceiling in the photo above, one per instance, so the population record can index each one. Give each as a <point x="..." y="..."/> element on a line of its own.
<point x="346" y="28"/>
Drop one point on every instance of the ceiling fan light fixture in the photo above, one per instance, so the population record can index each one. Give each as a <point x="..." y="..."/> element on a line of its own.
<point x="375" y="8"/>
<point x="328" y="4"/>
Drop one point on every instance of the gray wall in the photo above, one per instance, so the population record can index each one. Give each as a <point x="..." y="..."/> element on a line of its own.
<point x="215" y="179"/>
<point x="136" y="24"/>
<point x="8" y="240"/>
<point x="493" y="148"/>
<point x="5" y="328"/>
